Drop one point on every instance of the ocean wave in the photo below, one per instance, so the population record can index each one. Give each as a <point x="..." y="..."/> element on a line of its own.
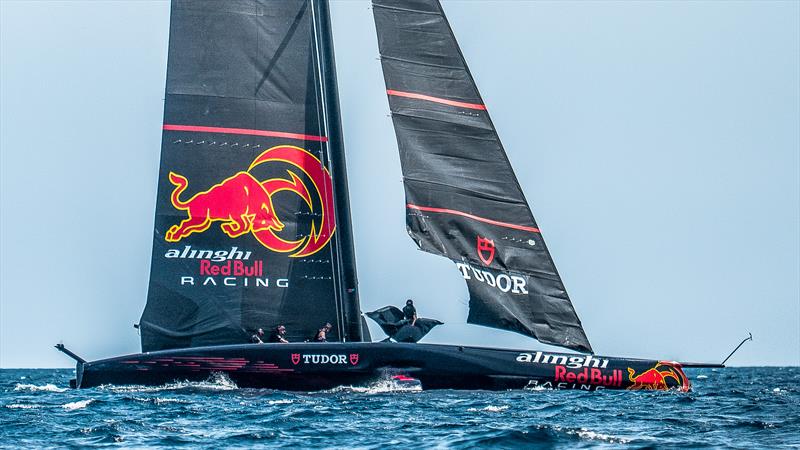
<point x="490" y="408"/>
<point x="758" y="424"/>
<point x="380" y="387"/>
<point x="107" y="433"/>
<point x="158" y="400"/>
<point x="216" y="382"/>
<point x="77" y="405"/>
<point x="590" y="435"/>
<point x="22" y="406"/>
<point x="34" y="388"/>
<point x="538" y="435"/>
<point x="280" y="402"/>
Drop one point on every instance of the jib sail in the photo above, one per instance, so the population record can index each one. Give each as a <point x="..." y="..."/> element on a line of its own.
<point x="252" y="221"/>
<point x="463" y="200"/>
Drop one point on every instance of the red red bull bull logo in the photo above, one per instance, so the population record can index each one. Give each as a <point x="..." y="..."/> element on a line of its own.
<point x="662" y="376"/>
<point x="242" y="204"/>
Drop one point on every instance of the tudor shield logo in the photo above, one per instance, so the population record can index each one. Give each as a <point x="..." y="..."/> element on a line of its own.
<point x="323" y="359"/>
<point x="485" y="250"/>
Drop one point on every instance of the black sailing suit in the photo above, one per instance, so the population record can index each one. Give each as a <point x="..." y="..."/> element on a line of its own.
<point x="409" y="313"/>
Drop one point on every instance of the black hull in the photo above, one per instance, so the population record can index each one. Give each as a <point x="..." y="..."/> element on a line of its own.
<point x="311" y="366"/>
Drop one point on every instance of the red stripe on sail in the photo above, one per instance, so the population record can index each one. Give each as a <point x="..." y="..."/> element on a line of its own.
<point x="429" y="98"/>
<point x="474" y="217"/>
<point x="280" y="134"/>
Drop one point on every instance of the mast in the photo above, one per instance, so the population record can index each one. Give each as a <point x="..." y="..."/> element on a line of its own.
<point x="347" y="279"/>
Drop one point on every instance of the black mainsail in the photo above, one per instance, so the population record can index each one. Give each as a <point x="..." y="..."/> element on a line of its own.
<point x="252" y="220"/>
<point x="463" y="200"/>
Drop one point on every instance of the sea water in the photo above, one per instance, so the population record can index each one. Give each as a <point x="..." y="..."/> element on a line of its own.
<point x="737" y="407"/>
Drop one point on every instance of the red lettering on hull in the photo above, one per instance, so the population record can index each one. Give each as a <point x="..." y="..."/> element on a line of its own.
<point x="589" y="376"/>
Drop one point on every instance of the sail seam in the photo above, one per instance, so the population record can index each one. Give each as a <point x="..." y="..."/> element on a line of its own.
<point x="479" y="194"/>
<point x="236" y="97"/>
<point x="395" y="8"/>
<point x="406" y="113"/>
<point x="441" y="66"/>
<point x="245" y="131"/>
<point x="473" y="217"/>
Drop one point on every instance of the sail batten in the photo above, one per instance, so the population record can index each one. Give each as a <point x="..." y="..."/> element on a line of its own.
<point x="463" y="200"/>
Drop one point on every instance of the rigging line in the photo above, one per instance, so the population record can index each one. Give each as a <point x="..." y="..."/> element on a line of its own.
<point x="335" y="253"/>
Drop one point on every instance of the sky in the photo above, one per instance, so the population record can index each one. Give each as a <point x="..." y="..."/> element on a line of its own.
<point x="658" y="144"/>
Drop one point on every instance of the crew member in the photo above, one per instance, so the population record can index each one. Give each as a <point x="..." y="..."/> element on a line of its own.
<point x="322" y="334"/>
<point x="409" y="313"/>
<point x="257" y="337"/>
<point x="278" y="335"/>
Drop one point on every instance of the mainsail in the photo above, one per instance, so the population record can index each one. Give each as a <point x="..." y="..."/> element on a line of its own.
<point x="463" y="200"/>
<point x="252" y="221"/>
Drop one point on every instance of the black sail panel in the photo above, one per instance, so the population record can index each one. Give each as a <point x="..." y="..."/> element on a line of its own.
<point x="463" y="199"/>
<point x="245" y="210"/>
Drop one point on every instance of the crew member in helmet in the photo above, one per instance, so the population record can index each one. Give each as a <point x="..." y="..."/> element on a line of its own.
<point x="322" y="334"/>
<point x="257" y="337"/>
<point x="278" y="335"/>
<point x="410" y="313"/>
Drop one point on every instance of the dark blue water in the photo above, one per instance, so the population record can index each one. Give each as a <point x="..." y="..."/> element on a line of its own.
<point x="742" y="407"/>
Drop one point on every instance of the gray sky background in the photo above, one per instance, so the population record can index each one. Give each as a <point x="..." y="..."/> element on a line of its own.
<point x="657" y="142"/>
